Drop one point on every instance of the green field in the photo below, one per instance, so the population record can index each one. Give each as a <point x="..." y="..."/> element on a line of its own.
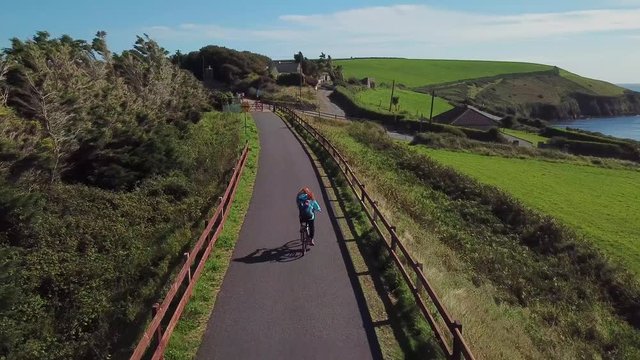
<point x="410" y="103"/>
<point x="524" y="135"/>
<point x="419" y="72"/>
<point x="603" y="204"/>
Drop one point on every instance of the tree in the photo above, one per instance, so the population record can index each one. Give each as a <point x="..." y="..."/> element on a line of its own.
<point x="395" y="101"/>
<point x="4" y="91"/>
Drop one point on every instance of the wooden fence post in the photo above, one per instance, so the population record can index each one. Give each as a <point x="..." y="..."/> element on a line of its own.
<point x="186" y="261"/>
<point x="420" y="266"/>
<point x="457" y="343"/>
<point x="375" y="211"/>
<point x="154" y="311"/>
<point x="394" y="238"/>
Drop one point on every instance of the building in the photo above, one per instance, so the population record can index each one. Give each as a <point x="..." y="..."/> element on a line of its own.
<point x="469" y="117"/>
<point x="280" y="67"/>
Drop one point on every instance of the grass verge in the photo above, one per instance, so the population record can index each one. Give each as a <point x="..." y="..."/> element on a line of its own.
<point x="187" y="335"/>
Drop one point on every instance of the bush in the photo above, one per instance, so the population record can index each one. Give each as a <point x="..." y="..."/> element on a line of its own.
<point x="600" y="149"/>
<point x="292" y="79"/>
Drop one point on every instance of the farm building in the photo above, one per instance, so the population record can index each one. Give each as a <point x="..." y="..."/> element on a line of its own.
<point x="279" y="67"/>
<point x="469" y="117"/>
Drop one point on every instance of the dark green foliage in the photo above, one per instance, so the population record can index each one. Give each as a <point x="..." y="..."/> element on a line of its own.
<point x="229" y="66"/>
<point x="291" y="79"/>
<point x="592" y="148"/>
<point x="574" y="135"/>
<point x="583" y="143"/>
<point x="102" y="188"/>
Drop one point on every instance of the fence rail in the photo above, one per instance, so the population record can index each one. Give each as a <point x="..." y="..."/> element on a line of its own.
<point x="450" y="340"/>
<point x="201" y="251"/>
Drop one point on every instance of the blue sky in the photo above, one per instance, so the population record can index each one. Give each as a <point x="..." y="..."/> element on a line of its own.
<point x="599" y="39"/>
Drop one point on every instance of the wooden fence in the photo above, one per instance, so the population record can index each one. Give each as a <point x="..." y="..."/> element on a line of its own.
<point x="450" y="339"/>
<point x="160" y="328"/>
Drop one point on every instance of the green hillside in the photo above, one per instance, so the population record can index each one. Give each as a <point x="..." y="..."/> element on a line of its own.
<point x="421" y="72"/>
<point x="568" y="192"/>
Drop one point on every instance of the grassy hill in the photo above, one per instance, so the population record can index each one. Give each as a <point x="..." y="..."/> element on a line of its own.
<point x="421" y="72"/>
<point x="509" y="88"/>
<point x="567" y="191"/>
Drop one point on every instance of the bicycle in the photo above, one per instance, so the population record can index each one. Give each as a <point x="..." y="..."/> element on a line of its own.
<point x="304" y="236"/>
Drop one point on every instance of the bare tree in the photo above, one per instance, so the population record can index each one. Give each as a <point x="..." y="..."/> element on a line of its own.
<point x="4" y="91"/>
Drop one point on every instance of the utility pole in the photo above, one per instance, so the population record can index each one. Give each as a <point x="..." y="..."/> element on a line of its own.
<point x="393" y="87"/>
<point x="433" y="95"/>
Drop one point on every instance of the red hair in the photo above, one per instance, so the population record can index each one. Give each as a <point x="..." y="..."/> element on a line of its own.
<point x="308" y="192"/>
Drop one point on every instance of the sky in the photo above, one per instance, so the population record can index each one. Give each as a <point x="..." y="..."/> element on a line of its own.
<point x="599" y="39"/>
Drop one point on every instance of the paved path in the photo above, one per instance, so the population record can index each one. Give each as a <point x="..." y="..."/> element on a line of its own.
<point x="325" y="104"/>
<point x="274" y="304"/>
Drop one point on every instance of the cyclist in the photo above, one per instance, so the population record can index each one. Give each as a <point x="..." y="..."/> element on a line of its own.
<point x="307" y="206"/>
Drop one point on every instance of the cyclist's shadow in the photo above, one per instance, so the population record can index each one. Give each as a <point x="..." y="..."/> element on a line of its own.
<point x="290" y="251"/>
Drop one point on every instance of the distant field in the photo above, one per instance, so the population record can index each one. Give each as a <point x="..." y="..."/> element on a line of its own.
<point x="410" y="102"/>
<point x="530" y="137"/>
<point x="603" y="204"/>
<point x="418" y="72"/>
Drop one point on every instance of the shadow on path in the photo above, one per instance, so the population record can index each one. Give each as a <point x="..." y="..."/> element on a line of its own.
<point x="290" y="251"/>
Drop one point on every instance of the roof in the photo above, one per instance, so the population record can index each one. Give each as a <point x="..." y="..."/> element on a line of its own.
<point x="284" y="67"/>
<point x="469" y="116"/>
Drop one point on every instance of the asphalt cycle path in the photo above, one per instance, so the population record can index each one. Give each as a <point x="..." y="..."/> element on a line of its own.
<point x="275" y="303"/>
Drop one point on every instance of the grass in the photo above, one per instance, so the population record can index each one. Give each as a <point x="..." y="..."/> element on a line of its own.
<point x="525" y="135"/>
<point x="419" y="72"/>
<point x="477" y="265"/>
<point x="603" y="204"/>
<point x="187" y="336"/>
<point x="413" y="104"/>
<point x="597" y="86"/>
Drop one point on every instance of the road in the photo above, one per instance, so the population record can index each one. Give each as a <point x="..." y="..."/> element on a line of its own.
<point x="273" y="303"/>
<point x="325" y="104"/>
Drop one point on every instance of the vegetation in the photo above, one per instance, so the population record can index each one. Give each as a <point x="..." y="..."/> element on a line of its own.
<point x="597" y="86"/>
<point x="416" y="72"/>
<point x="231" y="69"/>
<point x="106" y="163"/>
<point x="533" y="138"/>
<point x="546" y="292"/>
<point x="187" y="336"/>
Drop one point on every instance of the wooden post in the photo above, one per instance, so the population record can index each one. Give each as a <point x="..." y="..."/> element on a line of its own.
<point x="186" y="261"/>
<point x="393" y="87"/>
<point x="457" y="343"/>
<point x="420" y="266"/>
<point x="394" y="238"/>
<point x="363" y="194"/>
<point x="154" y="311"/>
<point x="433" y="94"/>
<point x="375" y="211"/>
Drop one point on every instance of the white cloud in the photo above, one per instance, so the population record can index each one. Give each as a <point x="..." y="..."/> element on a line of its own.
<point x="419" y="23"/>
<point x="425" y="31"/>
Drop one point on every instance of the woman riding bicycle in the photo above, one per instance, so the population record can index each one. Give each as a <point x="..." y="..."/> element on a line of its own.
<point x="307" y="207"/>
